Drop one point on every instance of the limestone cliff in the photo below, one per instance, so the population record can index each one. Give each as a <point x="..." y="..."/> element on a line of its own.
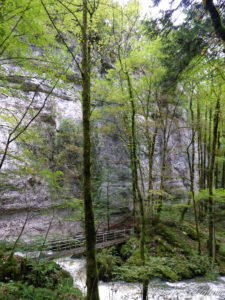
<point x="26" y="194"/>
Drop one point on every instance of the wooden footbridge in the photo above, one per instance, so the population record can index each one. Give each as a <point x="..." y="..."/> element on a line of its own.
<point x="76" y="245"/>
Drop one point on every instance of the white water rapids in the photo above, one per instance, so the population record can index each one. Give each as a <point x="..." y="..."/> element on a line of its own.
<point x="158" y="290"/>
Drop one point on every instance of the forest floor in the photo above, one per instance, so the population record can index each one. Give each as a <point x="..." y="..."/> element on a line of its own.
<point x="171" y="253"/>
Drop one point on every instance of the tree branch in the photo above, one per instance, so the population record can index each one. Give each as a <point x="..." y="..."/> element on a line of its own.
<point x="216" y="19"/>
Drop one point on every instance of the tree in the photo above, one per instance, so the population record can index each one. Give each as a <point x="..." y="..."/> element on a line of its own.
<point x="216" y="18"/>
<point x="212" y="241"/>
<point x="90" y="232"/>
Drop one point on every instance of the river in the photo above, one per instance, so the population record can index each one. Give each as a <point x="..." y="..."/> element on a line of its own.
<point x="195" y="289"/>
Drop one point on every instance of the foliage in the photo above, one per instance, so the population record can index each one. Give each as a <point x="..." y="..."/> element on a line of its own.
<point x="28" y="279"/>
<point x="145" y="74"/>
<point x="128" y="248"/>
<point x="107" y="263"/>
<point x="18" y="290"/>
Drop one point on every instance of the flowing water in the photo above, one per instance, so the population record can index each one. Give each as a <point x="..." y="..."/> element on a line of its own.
<point x="197" y="289"/>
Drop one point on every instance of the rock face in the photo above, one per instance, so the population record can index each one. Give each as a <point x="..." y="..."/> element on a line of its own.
<point x="26" y="195"/>
<point x="29" y="196"/>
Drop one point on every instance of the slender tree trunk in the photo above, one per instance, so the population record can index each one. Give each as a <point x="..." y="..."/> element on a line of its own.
<point x="151" y="151"/>
<point x="108" y="206"/>
<point x="209" y="147"/>
<point x="210" y="139"/>
<point x="134" y="194"/>
<point x="162" y="177"/>
<point x="140" y="198"/>
<point x="200" y="154"/>
<point x="205" y="150"/>
<point x="212" y="248"/>
<point x="200" y="160"/>
<point x="223" y="173"/>
<point x="90" y="232"/>
<point x="217" y="164"/>
<point x="191" y="163"/>
<point x="20" y="234"/>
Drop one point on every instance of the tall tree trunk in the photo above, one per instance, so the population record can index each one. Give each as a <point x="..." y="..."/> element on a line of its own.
<point x="163" y="170"/>
<point x="212" y="248"/>
<point x="210" y="139"/>
<point x="217" y="164"/>
<point x="151" y="151"/>
<point x="223" y="173"/>
<point x="205" y="149"/>
<point x="134" y="193"/>
<point x="191" y="163"/>
<point x="200" y="154"/>
<point x="90" y="232"/>
<point x="140" y="198"/>
<point x="108" y="206"/>
<point x="216" y="18"/>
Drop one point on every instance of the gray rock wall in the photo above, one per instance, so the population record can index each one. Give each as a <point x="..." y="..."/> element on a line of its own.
<point x="25" y="195"/>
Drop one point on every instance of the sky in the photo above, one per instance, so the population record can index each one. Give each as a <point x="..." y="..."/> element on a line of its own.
<point x="147" y="7"/>
<point x="149" y="10"/>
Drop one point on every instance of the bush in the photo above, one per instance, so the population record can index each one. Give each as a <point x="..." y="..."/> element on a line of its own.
<point x="107" y="264"/>
<point x="44" y="274"/>
<point x="199" y="264"/>
<point x="221" y="250"/>
<point x="169" y="268"/>
<point x="18" y="290"/>
<point x="40" y="280"/>
<point x="9" y="268"/>
<point x="127" y="249"/>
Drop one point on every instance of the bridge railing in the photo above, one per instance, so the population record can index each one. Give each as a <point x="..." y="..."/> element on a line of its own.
<point x="79" y="241"/>
<point x="113" y="235"/>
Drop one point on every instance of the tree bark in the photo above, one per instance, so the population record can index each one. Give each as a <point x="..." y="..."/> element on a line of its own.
<point x="205" y="149"/>
<point x="90" y="232"/>
<point x="191" y="163"/>
<point x="135" y="169"/>
<point x="151" y="151"/>
<point x="217" y="173"/>
<point x="200" y="154"/>
<point x="211" y="221"/>
<point x="216" y="19"/>
<point x="223" y="173"/>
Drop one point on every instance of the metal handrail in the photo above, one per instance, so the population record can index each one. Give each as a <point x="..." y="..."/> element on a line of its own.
<point x="79" y="241"/>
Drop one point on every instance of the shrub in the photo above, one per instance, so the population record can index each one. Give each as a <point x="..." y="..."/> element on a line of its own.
<point x="18" y="290"/>
<point x="40" y="280"/>
<point x="107" y="264"/>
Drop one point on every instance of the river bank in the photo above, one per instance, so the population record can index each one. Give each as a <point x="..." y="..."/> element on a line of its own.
<point x="194" y="289"/>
